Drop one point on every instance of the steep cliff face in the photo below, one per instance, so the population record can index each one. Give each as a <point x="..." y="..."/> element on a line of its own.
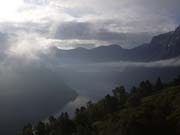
<point x="165" y="45"/>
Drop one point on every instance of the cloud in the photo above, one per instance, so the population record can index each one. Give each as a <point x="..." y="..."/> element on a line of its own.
<point x="125" y="13"/>
<point x="91" y="32"/>
<point x="37" y="25"/>
<point x="126" y="22"/>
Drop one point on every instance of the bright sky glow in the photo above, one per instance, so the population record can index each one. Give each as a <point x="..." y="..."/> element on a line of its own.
<point x="9" y="9"/>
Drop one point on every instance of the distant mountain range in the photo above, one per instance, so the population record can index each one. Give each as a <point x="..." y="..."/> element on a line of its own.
<point x="161" y="47"/>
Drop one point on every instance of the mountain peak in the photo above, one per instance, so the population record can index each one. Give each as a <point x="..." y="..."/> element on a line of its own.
<point x="177" y="30"/>
<point x="113" y="46"/>
<point x="116" y="46"/>
<point x="80" y="48"/>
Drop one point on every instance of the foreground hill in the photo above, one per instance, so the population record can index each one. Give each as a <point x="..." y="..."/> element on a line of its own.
<point x="163" y="46"/>
<point x="147" y="109"/>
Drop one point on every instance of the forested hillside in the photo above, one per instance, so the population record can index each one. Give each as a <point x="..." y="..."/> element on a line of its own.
<point x="149" y="109"/>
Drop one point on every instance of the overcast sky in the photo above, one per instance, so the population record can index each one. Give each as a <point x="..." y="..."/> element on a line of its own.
<point x="36" y="24"/>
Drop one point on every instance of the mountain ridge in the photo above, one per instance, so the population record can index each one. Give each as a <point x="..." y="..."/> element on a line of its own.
<point x="163" y="46"/>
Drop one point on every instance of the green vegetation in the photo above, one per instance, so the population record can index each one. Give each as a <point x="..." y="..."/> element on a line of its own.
<point x="149" y="109"/>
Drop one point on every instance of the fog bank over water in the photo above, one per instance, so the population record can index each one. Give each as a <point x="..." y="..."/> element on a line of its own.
<point x="95" y="80"/>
